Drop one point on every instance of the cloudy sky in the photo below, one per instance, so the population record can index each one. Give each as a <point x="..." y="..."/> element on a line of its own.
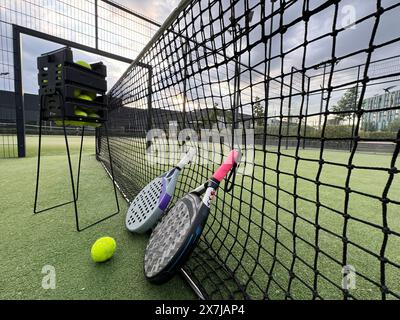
<point x="133" y="38"/>
<point x="158" y="10"/>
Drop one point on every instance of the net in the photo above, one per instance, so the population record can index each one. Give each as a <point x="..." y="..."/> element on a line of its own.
<point x="310" y="89"/>
<point x="8" y="140"/>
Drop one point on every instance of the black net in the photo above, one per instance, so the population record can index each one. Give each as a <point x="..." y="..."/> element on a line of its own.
<point x="8" y="127"/>
<point x="310" y="87"/>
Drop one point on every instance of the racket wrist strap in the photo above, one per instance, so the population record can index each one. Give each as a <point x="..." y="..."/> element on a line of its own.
<point x="213" y="183"/>
<point x="228" y="183"/>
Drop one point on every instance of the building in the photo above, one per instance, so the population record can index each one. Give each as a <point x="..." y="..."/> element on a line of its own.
<point x="7" y="107"/>
<point x="388" y="110"/>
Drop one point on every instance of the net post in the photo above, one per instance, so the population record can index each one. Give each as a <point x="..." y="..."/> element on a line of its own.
<point x="19" y="99"/>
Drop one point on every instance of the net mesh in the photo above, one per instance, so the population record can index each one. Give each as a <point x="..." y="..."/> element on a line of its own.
<point x="310" y="87"/>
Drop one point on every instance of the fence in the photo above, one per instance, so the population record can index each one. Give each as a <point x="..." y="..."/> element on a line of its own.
<point x="98" y="26"/>
<point x="300" y="224"/>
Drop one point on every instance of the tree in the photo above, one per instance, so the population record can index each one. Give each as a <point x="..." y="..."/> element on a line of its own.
<point x="347" y="103"/>
<point x="369" y="126"/>
<point x="210" y="117"/>
<point x="394" y="126"/>
<point x="258" y="112"/>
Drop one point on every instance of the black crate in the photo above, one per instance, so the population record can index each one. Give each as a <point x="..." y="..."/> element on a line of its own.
<point x="61" y="82"/>
<point x="55" y="109"/>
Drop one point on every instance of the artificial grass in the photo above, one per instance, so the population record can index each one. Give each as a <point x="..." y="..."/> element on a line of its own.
<point x="282" y="254"/>
<point x="255" y="238"/>
<point x="49" y="238"/>
<point x="29" y="242"/>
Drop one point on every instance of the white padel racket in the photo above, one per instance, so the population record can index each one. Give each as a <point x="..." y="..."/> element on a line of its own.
<point x="149" y="205"/>
<point x="176" y="235"/>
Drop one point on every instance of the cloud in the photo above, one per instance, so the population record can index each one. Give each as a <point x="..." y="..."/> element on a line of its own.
<point x="34" y="47"/>
<point x="157" y="10"/>
<point x="118" y="37"/>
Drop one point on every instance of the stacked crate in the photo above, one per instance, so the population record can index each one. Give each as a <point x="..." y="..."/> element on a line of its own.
<point x="70" y="91"/>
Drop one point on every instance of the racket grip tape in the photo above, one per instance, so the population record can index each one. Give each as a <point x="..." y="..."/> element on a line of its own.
<point x="227" y="165"/>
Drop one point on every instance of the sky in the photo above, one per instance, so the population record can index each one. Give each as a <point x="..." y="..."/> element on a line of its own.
<point x="159" y="10"/>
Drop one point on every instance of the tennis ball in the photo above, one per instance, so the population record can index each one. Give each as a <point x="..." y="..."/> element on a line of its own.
<point x="80" y="113"/>
<point x="45" y="81"/>
<point x="92" y="95"/>
<point x="103" y="249"/>
<point x="59" y="123"/>
<point x="84" y="64"/>
<point x="68" y="123"/>
<point x="85" y="97"/>
<point x="93" y="115"/>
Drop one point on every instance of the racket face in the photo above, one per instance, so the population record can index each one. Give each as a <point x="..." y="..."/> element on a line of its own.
<point x="148" y="206"/>
<point x="144" y="206"/>
<point x="174" y="237"/>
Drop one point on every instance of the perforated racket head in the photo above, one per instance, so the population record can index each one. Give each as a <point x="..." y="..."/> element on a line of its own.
<point x="144" y="207"/>
<point x="174" y="238"/>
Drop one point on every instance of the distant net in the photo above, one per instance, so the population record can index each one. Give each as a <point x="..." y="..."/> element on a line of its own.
<point x="50" y="129"/>
<point x="8" y="140"/>
<point x="313" y="86"/>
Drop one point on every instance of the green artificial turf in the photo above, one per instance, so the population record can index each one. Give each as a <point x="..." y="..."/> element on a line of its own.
<point x="50" y="238"/>
<point x="254" y="237"/>
<point x="252" y="258"/>
<point x="30" y="242"/>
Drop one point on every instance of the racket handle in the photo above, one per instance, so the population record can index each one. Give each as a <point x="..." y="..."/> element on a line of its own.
<point x="227" y="165"/>
<point x="187" y="158"/>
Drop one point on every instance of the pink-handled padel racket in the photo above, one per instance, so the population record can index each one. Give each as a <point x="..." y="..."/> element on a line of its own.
<point x="176" y="235"/>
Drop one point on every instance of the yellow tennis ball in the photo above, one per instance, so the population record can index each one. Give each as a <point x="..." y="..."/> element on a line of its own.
<point x="92" y="95"/>
<point x="69" y="123"/>
<point x="77" y="93"/>
<point x="103" y="249"/>
<point x="84" y="64"/>
<point x="85" y="97"/>
<point x="93" y="115"/>
<point x="80" y="113"/>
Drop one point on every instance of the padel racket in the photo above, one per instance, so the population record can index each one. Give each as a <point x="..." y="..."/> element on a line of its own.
<point x="176" y="235"/>
<point x="148" y="206"/>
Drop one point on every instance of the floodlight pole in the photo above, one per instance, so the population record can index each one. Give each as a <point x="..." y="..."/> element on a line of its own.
<point x="322" y="99"/>
<point x="237" y="32"/>
<point x="236" y="100"/>
<point x="185" y="77"/>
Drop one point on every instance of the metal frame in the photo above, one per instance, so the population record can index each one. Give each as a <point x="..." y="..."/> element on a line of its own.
<point x="19" y="100"/>
<point x="20" y="112"/>
<point x="18" y="30"/>
<point x="75" y="188"/>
